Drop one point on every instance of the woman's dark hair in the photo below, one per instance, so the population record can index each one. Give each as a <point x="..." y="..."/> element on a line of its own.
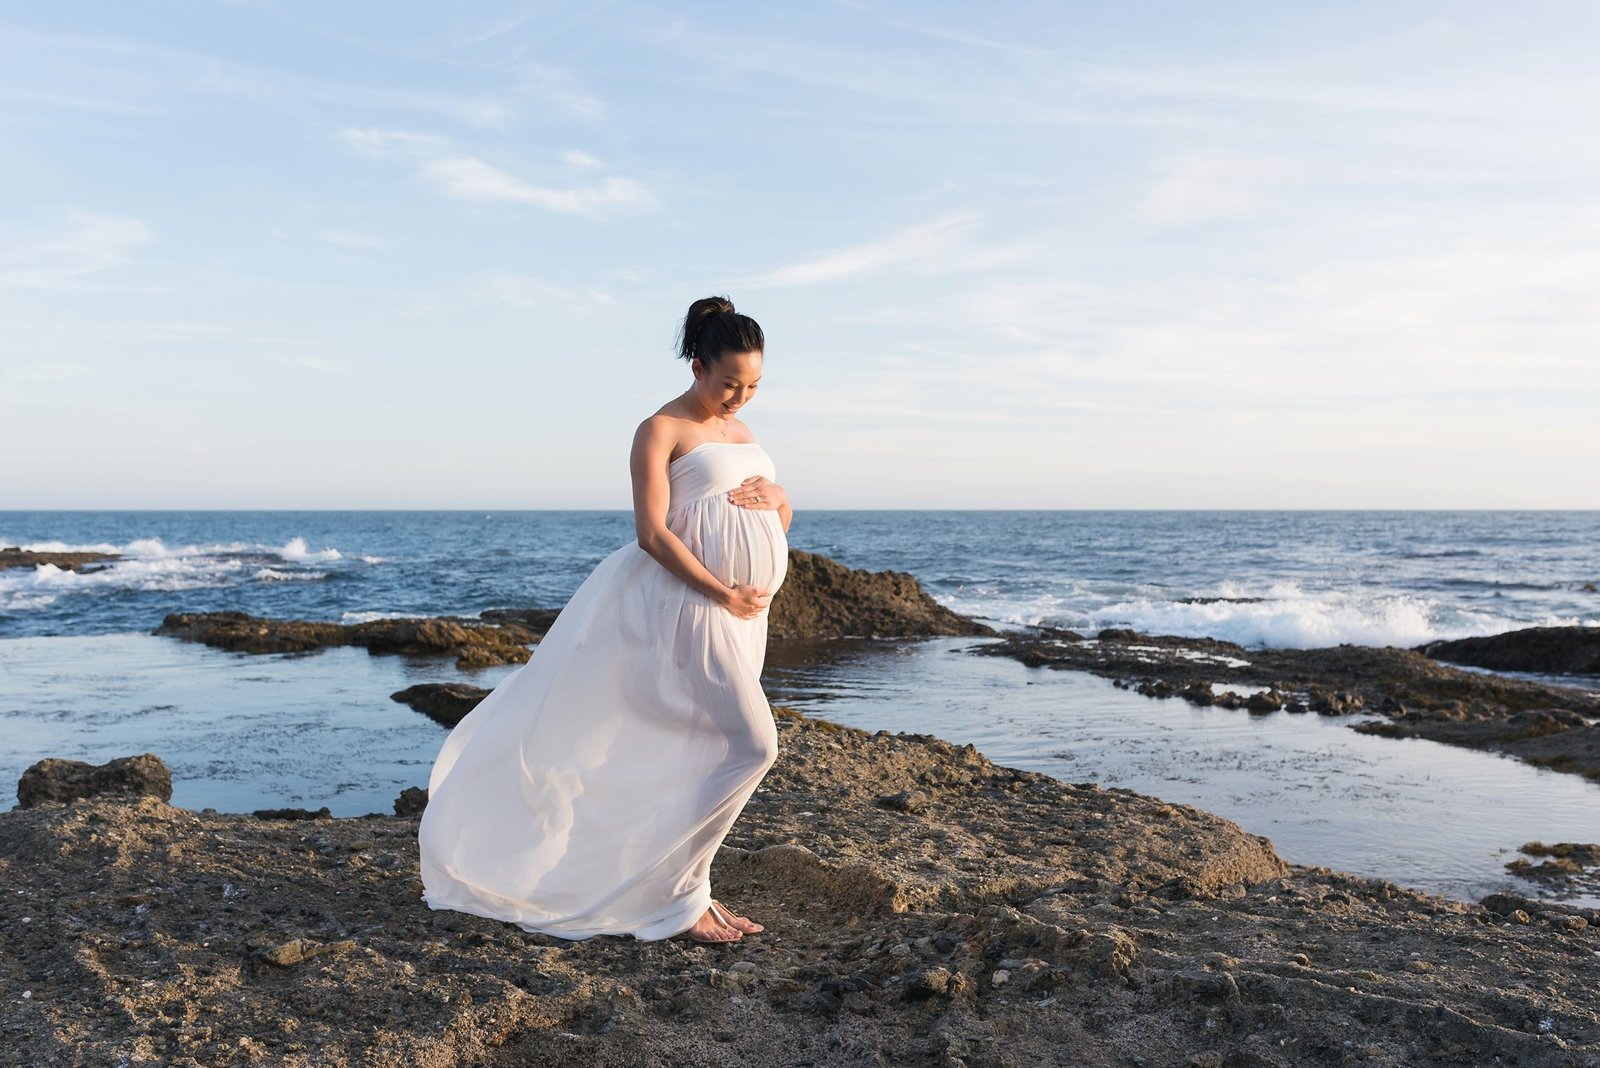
<point x="712" y="329"/>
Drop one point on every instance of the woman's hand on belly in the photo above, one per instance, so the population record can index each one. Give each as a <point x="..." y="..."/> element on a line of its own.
<point x="748" y="601"/>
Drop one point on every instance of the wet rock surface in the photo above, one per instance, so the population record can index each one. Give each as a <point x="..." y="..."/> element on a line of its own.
<point x="819" y="600"/>
<point x="54" y="779"/>
<point x="1539" y="650"/>
<point x="473" y="642"/>
<point x="82" y="562"/>
<point x="1009" y="919"/>
<point x="1567" y="867"/>
<point x="446" y="703"/>
<point x="1416" y="696"/>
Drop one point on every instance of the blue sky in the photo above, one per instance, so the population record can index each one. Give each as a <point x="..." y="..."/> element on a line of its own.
<point x="1067" y="255"/>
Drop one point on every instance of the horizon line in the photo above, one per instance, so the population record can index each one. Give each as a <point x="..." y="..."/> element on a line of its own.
<point x="1146" y="508"/>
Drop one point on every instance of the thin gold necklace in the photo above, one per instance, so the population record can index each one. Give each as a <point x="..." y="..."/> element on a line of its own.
<point x="724" y="430"/>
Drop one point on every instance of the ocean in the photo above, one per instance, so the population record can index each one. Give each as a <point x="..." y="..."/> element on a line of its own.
<point x="82" y="677"/>
<point x="1288" y="579"/>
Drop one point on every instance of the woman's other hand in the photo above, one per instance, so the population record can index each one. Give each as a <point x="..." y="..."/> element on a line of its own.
<point x="759" y="493"/>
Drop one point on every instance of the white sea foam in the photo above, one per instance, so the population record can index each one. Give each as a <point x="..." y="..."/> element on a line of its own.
<point x="1194" y="655"/>
<point x="368" y="617"/>
<point x="271" y="574"/>
<point x="151" y="565"/>
<point x="12" y="600"/>
<point x="1279" y="615"/>
<point x="295" y="549"/>
<point x="1287" y="617"/>
<point x="24" y="589"/>
<point x="61" y="546"/>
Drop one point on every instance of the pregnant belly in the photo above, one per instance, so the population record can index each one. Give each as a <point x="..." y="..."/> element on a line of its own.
<point x="738" y="545"/>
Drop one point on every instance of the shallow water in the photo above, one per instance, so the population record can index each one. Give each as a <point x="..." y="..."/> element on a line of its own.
<point x="1433" y="817"/>
<point x="242" y="732"/>
<point x="239" y="731"/>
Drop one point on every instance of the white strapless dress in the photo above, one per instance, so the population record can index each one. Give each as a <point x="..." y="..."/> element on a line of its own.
<point x="587" y="793"/>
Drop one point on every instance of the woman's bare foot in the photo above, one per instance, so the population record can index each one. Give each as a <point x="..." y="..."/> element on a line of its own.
<point x="738" y="922"/>
<point x="710" y="927"/>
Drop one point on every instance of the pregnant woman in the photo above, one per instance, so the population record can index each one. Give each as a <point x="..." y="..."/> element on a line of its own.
<point x="588" y="792"/>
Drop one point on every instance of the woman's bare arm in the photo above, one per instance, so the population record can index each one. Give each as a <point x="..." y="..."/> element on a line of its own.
<point x="652" y="447"/>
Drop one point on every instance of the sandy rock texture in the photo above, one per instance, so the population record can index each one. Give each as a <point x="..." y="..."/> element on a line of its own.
<point x="924" y="907"/>
<point x="1551" y="726"/>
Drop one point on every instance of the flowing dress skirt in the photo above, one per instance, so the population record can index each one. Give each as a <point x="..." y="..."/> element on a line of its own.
<point x="588" y="792"/>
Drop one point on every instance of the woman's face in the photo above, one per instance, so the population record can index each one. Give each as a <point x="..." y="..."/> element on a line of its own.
<point x="725" y="386"/>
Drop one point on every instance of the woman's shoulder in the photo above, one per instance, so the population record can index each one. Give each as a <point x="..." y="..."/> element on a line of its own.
<point x="680" y="430"/>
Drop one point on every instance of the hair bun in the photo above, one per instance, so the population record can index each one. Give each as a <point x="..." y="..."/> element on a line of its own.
<point x="712" y="328"/>
<point x="707" y="305"/>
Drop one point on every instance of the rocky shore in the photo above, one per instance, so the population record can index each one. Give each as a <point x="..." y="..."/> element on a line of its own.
<point x="819" y="600"/>
<point x="1400" y="693"/>
<point x="924" y="907"/>
<point x="473" y="642"/>
<point x="83" y="562"/>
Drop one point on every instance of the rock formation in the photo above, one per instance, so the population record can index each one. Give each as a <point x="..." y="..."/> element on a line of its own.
<point x="824" y="599"/>
<point x="1539" y="650"/>
<point x="54" y="779"/>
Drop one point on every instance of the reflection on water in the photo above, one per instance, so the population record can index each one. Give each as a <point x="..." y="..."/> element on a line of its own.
<point x="238" y="731"/>
<point x="1434" y="817"/>
<point x="241" y="732"/>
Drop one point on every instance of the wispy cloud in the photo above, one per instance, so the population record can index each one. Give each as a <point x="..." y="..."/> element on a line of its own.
<point x="378" y="142"/>
<point x="1203" y="188"/>
<point x="562" y="89"/>
<point x="351" y="238"/>
<point x="932" y="247"/>
<point x="1323" y="321"/>
<point x="576" y="157"/>
<point x="477" y="33"/>
<point x="524" y="291"/>
<point x="463" y="177"/>
<point x="312" y="363"/>
<point x="939" y="33"/>
<point x="115" y="74"/>
<point x="469" y="178"/>
<point x="89" y="243"/>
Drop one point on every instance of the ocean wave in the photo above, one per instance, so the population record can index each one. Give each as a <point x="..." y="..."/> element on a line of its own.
<point x="1277" y="615"/>
<point x="295" y="549"/>
<point x="162" y="575"/>
<point x="270" y="574"/>
<point x="150" y="565"/>
<point x="61" y="546"/>
<point x="13" y="600"/>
